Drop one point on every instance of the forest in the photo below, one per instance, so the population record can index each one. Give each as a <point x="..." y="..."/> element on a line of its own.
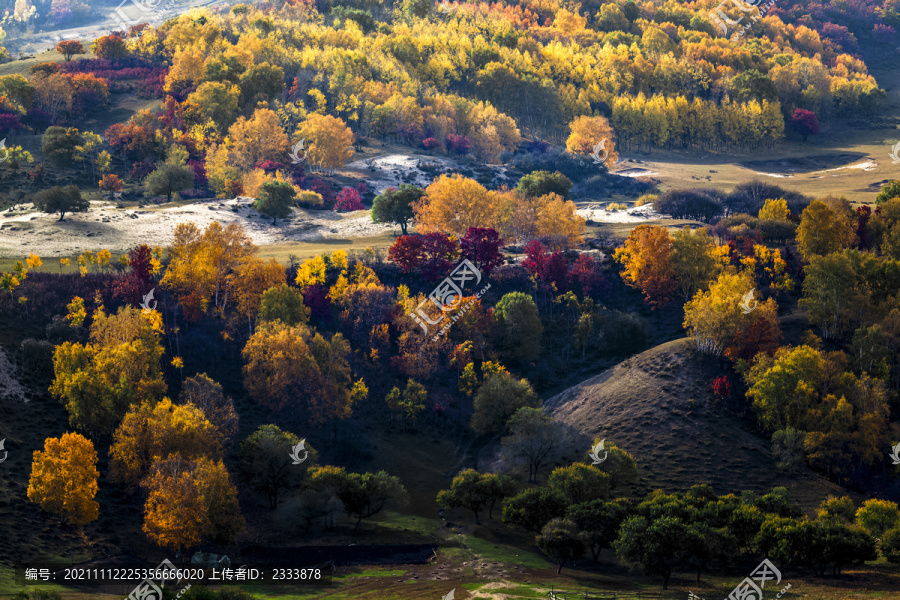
<point x="186" y="375"/>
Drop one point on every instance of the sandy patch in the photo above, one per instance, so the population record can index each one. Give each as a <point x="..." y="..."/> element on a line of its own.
<point x="393" y="170"/>
<point x="635" y="214"/>
<point x="636" y="172"/>
<point x="779" y="175"/>
<point x="868" y="165"/>
<point x="105" y="226"/>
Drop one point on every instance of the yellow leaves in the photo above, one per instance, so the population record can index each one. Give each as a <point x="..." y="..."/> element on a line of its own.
<point x="337" y="291"/>
<point x="177" y="362"/>
<point x="34" y="261"/>
<point x="328" y="141"/>
<point x="311" y="272"/>
<point x="455" y="203"/>
<point x="121" y="364"/>
<point x="587" y="133"/>
<point x="77" y="313"/>
<point x="251" y="279"/>
<point x="339" y="260"/>
<point x="153" y="432"/>
<point x="64" y="478"/>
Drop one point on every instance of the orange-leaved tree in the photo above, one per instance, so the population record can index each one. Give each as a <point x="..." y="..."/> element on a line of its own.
<point x="297" y="368"/>
<point x="64" y="478"/>
<point x="647" y="258"/>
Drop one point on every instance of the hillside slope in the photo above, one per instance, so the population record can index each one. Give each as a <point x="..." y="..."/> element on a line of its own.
<point x="658" y="405"/>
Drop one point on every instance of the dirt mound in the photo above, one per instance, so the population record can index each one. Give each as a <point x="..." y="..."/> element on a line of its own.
<point x="659" y="406"/>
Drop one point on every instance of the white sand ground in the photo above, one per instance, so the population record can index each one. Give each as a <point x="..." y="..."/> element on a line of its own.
<point x="636" y="214"/>
<point x="25" y="230"/>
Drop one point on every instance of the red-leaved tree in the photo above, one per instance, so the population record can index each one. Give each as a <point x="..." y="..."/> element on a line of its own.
<point x="481" y="245"/>
<point x="805" y="122"/>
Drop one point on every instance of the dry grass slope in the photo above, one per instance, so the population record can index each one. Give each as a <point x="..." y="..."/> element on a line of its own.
<point x="658" y="405"/>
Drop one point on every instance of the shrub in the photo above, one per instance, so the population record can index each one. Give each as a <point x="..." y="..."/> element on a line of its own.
<point x="310" y="199"/>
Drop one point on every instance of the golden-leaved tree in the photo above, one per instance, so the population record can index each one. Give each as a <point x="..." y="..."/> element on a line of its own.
<point x="454" y="203"/>
<point x="152" y="432"/>
<point x="327" y="141"/>
<point x="189" y="502"/>
<point x="587" y="135"/>
<point x="647" y="258"/>
<point x="118" y="367"/>
<point x="297" y="368"/>
<point x="64" y="478"/>
<point x="202" y="264"/>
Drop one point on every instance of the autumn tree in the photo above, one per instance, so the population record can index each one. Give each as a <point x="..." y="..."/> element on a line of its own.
<point x="69" y="48"/>
<point x="257" y="139"/>
<point x="203" y="262"/>
<point x="215" y="101"/>
<point x="723" y="313"/>
<point x="120" y="366"/>
<point x="152" y="432"/>
<point x="110" y="47"/>
<point x="696" y="260"/>
<point x="206" y="394"/>
<point x="481" y="246"/>
<point x="878" y="516"/>
<point x="826" y="226"/>
<point x="453" y="204"/>
<point x="805" y="122"/>
<point x="189" y="502"/>
<point x="275" y="200"/>
<point x="587" y="133"/>
<point x="328" y="141"/>
<point x="647" y="261"/>
<point x="297" y="368"/>
<point x="252" y="277"/>
<point x="283" y="303"/>
<point x="266" y="465"/>
<point x="61" y="200"/>
<point x="396" y="205"/>
<point x="64" y="478"/>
